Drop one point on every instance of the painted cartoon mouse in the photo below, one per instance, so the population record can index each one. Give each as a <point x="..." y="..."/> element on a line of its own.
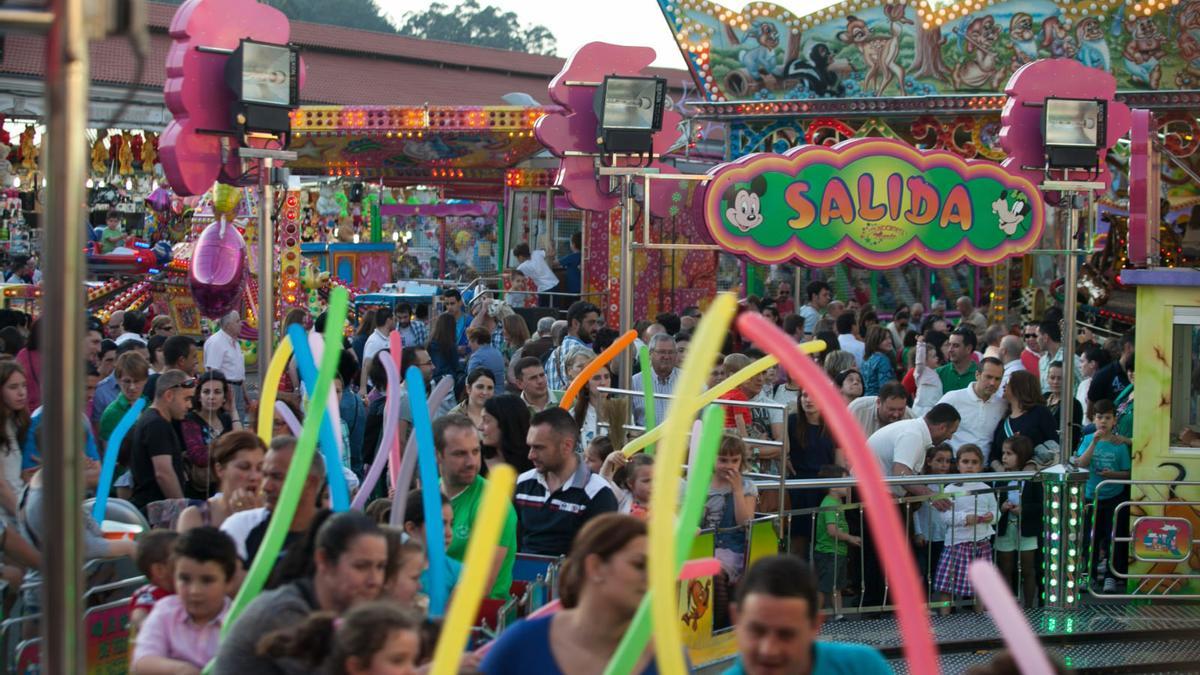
<point x="1011" y="208"/>
<point x="745" y="210"/>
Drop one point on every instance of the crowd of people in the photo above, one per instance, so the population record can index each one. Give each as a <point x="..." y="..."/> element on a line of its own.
<point x="934" y="392"/>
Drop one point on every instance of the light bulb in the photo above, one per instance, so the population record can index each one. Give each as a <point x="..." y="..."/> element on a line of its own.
<point x="395" y="236"/>
<point x="90" y="183"/>
<point x="16" y="181"/>
<point x="128" y="183"/>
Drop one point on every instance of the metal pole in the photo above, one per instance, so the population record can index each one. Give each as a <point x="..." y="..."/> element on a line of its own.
<point x="625" y="360"/>
<point x="266" y="275"/>
<point x="67" y="78"/>
<point x="1070" y="284"/>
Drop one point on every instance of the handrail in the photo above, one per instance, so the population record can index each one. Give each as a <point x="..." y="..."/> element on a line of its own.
<point x="720" y="401"/>
<point x="936" y="479"/>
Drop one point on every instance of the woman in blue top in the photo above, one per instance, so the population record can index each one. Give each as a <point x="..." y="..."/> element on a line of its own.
<point x="878" y="368"/>
<point x="601" y="584"/>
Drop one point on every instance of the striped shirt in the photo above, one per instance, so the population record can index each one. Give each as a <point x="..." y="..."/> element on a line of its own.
<point x="549" y="520"/>
<point x="661" y="386"/>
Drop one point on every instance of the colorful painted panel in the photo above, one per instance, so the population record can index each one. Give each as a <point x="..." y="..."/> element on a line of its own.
<point x="1162" y="539"/>
<point x="857" y="48"/>
<point x="877" y="202"/>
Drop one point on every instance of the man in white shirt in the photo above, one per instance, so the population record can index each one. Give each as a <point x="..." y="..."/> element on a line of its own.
<point x="663" y="359"/>
<point x="979" y="408"/>
<point x="132" y="324"/>
<point x="377" y="342"/>
<point x="847" y="340"/>
<point x="900" y="449"/>
<point x="533" y="265"/>
<point x="819" y="294"/>
<point x="223" y="352"/>
<point x="1011" y="348"/>
<point x="876" y="412"/>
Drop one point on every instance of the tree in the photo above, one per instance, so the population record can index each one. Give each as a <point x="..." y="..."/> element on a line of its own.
<point x="928" y="63"/>
<point x="470" y="23"/>
<point x="358" y="14"/>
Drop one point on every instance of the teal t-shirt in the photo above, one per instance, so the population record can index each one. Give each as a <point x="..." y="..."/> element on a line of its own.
<point x="825" y="542"/>
<point x="838" y="658"/>
<point x="1111" y="456"/>
<point x="453" y="570"/>
<point x="465" y="506"/>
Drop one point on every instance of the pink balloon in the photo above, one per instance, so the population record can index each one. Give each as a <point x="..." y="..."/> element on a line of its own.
<point x="886" y="526"/>
<point x="696" y="569"/>
<point x="218" y="269"/>
<point x="396" y="347"/>
<point x="391" y="420"/>
<point x="1002" y="607"/>
<point x="404" y="474"/>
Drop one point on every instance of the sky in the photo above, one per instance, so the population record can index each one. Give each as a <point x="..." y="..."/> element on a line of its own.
<point x="577" y="22"/>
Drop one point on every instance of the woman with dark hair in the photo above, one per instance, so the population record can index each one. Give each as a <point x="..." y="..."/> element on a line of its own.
<point x="209" y="418"/>
<point x="516" y="334"/>
<point x="594" y="407"/>
<point x="878" y="368"/>
<point x="366" y="326"/>
<point x="14" y="425"/>
<point x="601" y="585"/>
<point x="1028" y="415"/>
<point x="1054" y="402"/>
<point x="443" y="347"/>
<point x="481" y="386"/>
<point x="30" y="359"/>
<point x="504" y="432"/>
<point x="850" y="383"/>
<point x="12" y="340"/>
<point x="346" y="568"/>
<point x="810" y="447"/>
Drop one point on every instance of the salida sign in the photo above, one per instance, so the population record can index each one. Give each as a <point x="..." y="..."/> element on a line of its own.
<point x="877" y="202"/>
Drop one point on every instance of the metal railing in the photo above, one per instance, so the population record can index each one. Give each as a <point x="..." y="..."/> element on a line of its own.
<point x="1166" y="541"/>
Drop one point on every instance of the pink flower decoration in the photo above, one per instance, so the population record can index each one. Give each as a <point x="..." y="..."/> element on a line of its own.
<point x="1020" y="132"/>
<point x="575" y="129"/>
<point x="195" y="89"/>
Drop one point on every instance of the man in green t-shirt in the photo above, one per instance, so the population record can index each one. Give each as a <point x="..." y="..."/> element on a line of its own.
<point x="459" y="461"/>
<point x="960" y="368"/>
<point x="132" y="371"/>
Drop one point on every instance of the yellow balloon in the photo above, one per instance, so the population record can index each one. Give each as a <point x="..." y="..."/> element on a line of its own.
<point x="661" y="573"/>
<point x="693" y="405"/>
<point x="477" y="565"/>
<point x="225" y="199"/>
<point x="270" y="389"/>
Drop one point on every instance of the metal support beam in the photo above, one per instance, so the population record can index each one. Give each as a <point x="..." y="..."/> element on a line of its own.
<point x="266" y="274"/>
<point x="67" y="79"/>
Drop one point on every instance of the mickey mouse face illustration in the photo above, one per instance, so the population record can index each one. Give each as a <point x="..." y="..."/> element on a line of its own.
<point x="745" y="210"/>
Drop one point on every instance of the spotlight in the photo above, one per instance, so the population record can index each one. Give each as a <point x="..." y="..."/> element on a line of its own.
<point x="630" y="111"/>
<point x="265" y="80"/>
<point x="1073" y="131"/>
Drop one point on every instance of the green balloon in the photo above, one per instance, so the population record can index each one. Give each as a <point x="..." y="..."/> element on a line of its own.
<point x="648" y="393"/>
<point x="633" y="643"/>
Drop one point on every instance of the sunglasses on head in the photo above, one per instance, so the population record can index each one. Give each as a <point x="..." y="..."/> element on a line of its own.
<point x="186" y="384"/>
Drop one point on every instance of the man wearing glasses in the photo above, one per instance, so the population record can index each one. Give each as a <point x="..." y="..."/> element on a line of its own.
<point x="419" y="357"/>
<point x="1032" y="353"/>
<point x="783" y="299"/>
<point x="156" y="454"/>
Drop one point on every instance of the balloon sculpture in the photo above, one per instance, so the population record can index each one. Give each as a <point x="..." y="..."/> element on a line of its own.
<point x="218" y="267"/>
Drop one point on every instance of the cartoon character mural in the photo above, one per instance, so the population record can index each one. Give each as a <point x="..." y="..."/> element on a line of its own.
<point x="981" y="68"/>
<point x="880" y="53"/>
<point x="698" y="594"/>
<point x="852" y="50"/>
<point x="1092" y="47"/>
<point x="1144" y="51"/>
<point x="1011" y="209"/>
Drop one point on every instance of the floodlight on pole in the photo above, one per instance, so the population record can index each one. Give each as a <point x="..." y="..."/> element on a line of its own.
<point x="1073" y="132"/>
<point x="265" y="80"/>
<point x="630" y="111"/>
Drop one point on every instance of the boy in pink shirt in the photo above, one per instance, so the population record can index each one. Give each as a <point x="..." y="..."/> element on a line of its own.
<point x="181" y="634"/>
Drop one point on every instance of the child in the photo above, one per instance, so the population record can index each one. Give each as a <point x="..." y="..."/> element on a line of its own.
<point x="406" y="564"/>
<point x="639" y="479"/>
<point x="374" y="638"/>
<point x="1020" y="519"/>
<point x="929" y="385"/>
<point x="968" y="528"/>
<point x="730" y="504"/>
<point x="604" y="459"/>
<point x="833" y="542"/>
<point x="153" y="560"/>
<point x="181" y="633"/>
<point x="414" y="527"/>
<point x="929" y="532"/>
<point x="1107" y="455"/>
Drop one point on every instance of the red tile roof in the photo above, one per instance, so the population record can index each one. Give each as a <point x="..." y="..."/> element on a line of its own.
<point x="345" y="66"/>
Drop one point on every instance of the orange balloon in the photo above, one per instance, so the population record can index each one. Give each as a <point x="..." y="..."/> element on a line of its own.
<point x="593" y="367"/>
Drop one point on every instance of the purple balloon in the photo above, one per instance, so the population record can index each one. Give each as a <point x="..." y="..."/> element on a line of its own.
<point x="218" y="269"/>
<point x="159" y="200"/>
